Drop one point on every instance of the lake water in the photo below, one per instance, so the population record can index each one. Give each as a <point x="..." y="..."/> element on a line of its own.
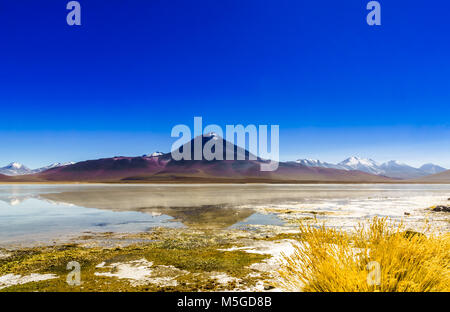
<point x="47" y="213"/>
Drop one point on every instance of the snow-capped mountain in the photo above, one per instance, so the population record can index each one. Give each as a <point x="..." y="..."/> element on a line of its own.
<point x="361" y="164"/>
<point x="154" y="154"/>
<point x="432" y="168"/>
<point x="351" y="163"/>
<point x="15" y="168"/>
<point x="54" y="165"/>
<point x="400" y="170"/>
<point x="392" y="169"/>
<point x="318" y="163"/>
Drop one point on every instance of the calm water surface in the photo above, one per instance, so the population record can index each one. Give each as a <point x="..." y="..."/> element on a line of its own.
<point x="42" y="213"/>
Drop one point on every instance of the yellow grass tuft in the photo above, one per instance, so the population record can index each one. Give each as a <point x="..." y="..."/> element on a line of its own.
<point x="378" y="256"/>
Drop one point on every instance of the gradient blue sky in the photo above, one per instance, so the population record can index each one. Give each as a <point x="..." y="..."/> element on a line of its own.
<point x="134" y="69"/>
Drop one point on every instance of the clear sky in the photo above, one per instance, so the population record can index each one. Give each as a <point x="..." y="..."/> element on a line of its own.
<point x="117" y="84"/>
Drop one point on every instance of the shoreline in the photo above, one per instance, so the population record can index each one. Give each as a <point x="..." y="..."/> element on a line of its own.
<point x="236" y="182"/>
<point x="163" y="259"/>
<point x="245" y="258"/>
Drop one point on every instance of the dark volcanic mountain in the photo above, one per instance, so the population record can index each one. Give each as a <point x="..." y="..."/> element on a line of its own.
<point x="163" y="168"/>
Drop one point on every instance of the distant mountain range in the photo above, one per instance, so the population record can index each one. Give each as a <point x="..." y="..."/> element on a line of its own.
<point x="443" y="177"/>
<point x="391" y="169"/>
<point x="160" y="167"/>
<point x="15" y="168"/>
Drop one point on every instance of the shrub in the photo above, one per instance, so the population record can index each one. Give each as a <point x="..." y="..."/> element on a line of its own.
<point x="329" y="260"/>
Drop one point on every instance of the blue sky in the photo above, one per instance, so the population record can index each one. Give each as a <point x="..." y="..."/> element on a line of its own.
<point x="118" y="84"/>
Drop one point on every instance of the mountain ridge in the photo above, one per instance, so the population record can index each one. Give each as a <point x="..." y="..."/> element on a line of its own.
<point x="441" y="177"/>
<point x="160" y="166"/>
<point x="163" y="168"/>
<point x="391" y="169"/>
<point x="16" y="168"/>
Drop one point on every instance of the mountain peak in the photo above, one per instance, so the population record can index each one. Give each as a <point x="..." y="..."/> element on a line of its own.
<point x="394" y="163"/>
<point x="317" y="163"/>
<point x="212" y="136"/>
<point x="392" y="168"/>
<point x="154" y="154"/>
<point x="16" y="165"/>
<point x="432" y="168"/>
<point x="355" y="160"/>
<point x="15" y="168"/>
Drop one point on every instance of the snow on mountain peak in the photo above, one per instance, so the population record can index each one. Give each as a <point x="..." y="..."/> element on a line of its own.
<point x="393" y="163"/>
<point x="54" y="165"/>
<point x="308" y="161"/>
<point x="14" y="168"/>
<point x="154" y="154"/>
<point x="363" y="164"/>
<point x="393" y="168"/>
<point x="15" y="165"/>
<point x="432" y="168"/>
<point x="317" y="163"/>
<point x="212" y="135"/>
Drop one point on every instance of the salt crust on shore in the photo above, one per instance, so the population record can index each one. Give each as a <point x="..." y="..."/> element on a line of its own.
<point x="4" y="254"/>
<point x="13" y="279"/>
<point x="141" y="272"/>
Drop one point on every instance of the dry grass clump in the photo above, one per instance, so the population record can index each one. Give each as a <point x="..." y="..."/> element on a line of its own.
<point x="378" y="256"/>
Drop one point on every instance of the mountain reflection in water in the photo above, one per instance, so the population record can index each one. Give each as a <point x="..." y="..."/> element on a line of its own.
<point x="52" y="211"/>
